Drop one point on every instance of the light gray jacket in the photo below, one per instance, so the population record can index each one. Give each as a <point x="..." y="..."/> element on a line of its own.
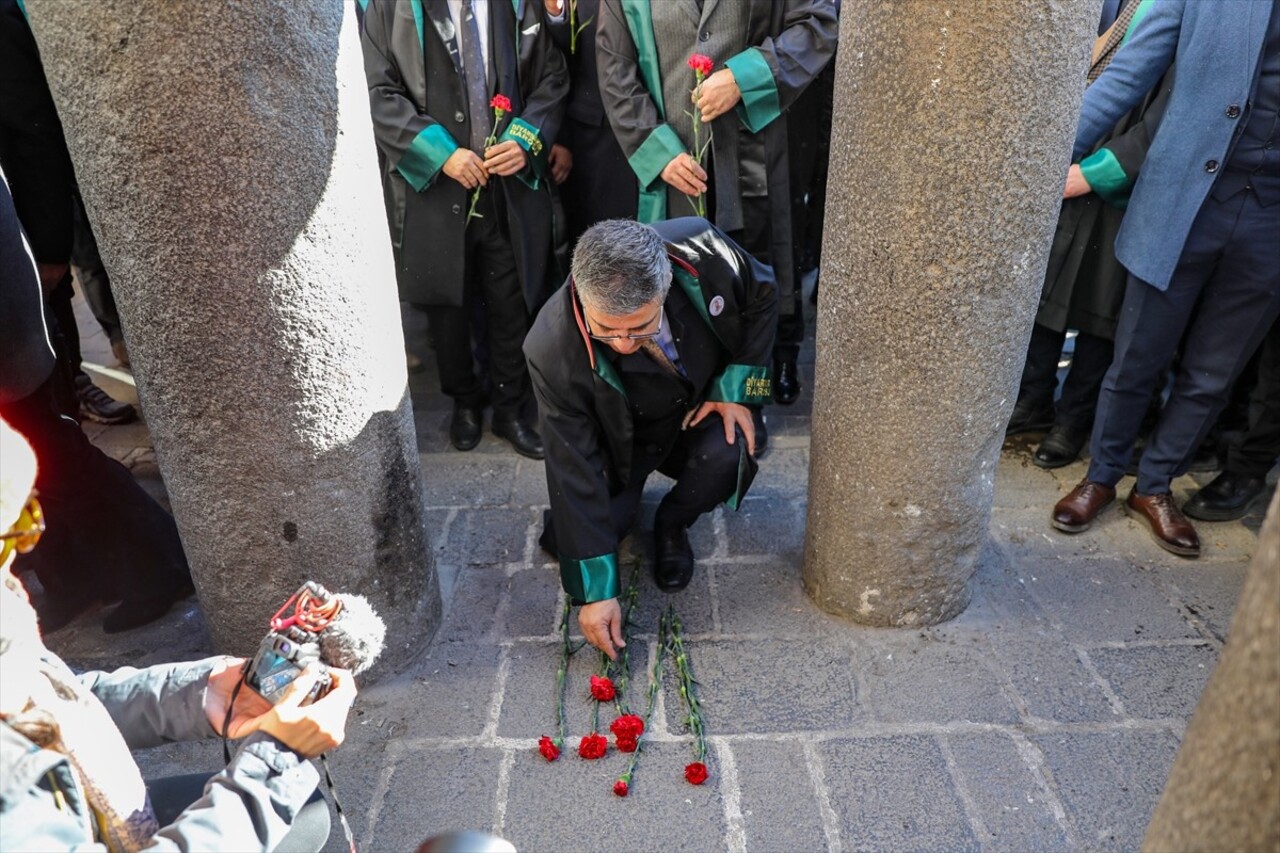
<point x="248" y="806"/>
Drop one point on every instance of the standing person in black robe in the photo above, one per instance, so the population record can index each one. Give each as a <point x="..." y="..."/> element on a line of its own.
<point x="433" y="67"/>
<point x="764" y="54"/>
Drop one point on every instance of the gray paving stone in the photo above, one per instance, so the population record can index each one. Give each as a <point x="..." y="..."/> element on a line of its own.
<point x="692" y="604"/>
<point x="434" y="791"/>
<point x="779" y="806"/>
<point x="470" y="479"/>
<point x="895" y="793"/>
<point x="487" y="537"/>
<point x="1049" y="677"/>
<point x="769" y="686"/>
<point x="473" y="606"/>
<point x="784" y="473"/>
<point x="354" y="768"/>
<point x="529" y="486"/>
<point x="1208" y="592"/>
<point x="763" y="526"/>
<point x="528" y="702"/>
<point x="1155" y="682"/>
<point x="570" y="805"/>
<point x="1019" y="484"/>
<point x="534" y="603"/>
<point x="1012" y="807"/>
<point x="1103" y="600"/>
<point x="914" y="678"/>
<point x="1109" y="782"/>
<point x="446" y="693"/>
<point x="767" y="598"/>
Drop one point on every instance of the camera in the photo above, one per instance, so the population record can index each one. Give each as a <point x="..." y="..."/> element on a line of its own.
<point x="294" y="642"/>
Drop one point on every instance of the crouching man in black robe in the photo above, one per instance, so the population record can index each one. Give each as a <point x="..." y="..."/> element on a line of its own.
<point x="651" y="359"/>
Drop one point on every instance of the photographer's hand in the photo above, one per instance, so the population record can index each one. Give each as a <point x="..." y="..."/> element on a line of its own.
<point x="310" y="729"/>
<point x="217" y="695"/>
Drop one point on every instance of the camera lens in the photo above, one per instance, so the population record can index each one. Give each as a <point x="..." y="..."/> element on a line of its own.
<point x="285" y="647"/>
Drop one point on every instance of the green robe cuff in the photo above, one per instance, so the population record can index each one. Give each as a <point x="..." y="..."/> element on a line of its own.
<point x="659" y="148"/>
<point x="760" y="104"/>
<point x="425" y="157"/>
<point x="1107" y="177"/>
<point x="594" y="579"/>
<point x="529" y="138"/>
<point x="749" y="384"/>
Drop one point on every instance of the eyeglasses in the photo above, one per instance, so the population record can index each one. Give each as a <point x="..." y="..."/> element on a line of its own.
<point x="643" y="336"/>
<point x="25" y="533"/>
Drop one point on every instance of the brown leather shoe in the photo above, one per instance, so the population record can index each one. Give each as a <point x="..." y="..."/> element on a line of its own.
<point x="1076" y="512"/>
<point x="1169" y="527"/>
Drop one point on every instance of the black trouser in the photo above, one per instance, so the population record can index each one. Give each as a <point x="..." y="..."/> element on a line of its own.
<point x="94" y="281"/>
<point x="1221" y="301"/>
<point x="171" y="795"/>
<point x="1089" y="364"/>
<point x="104" y="534"/>
<point x="491" y="276"/>
<point x="1254" y="453"/>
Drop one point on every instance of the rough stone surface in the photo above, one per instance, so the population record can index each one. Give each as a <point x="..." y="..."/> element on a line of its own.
<point x="226" y="157"/>
<point x="926" y="253"/>
<point x="1224" y="790"/>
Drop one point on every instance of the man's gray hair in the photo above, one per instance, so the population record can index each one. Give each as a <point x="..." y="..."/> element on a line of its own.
<point x="620" y="266"/>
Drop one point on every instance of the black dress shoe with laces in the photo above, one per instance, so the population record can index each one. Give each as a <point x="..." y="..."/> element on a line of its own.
<point x="97" y="405"/>
<point x="134" y="612"/>
<point x="786" y="382"/>
<point x="1060" y="447"/>
<point x="464" y="429"/>
<point x="522" y="436"/>
<point x="1029" y="416"/>
<point x="1226" y="498"/>
<point x="673" y="557"/>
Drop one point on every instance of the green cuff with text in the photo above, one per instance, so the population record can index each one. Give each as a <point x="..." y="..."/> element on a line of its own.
<point x="749" y="384"/>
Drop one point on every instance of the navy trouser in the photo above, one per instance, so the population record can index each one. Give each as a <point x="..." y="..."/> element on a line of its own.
<point x="1224" y="296"/>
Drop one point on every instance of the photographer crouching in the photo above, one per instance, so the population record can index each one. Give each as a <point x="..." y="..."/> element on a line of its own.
<point x="67" y="779"/>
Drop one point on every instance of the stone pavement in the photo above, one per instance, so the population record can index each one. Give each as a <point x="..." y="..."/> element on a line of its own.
<point x="1045" y="717"/>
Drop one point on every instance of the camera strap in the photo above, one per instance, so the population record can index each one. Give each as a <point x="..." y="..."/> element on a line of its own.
<point x="324" y="763"/>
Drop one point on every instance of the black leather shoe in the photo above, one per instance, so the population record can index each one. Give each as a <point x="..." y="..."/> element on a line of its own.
<point x="1060" y="447"/>
<point x="136" y="612"/>
<point x="523" y="437"/>
<point x="1226" y="498"/>
<point x="1029" y="416"/>
<point x="786" y="383"/>
<point x="98" y="405"/>
<point x="673" y="557"/>
<point x="464" y="429"/>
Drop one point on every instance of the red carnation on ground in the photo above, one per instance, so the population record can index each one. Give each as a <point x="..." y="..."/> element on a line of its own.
<point x="695" y="773"/>
<point x="602" y="689"/>
<point x="620" y="788"/>
<point x="701" y="64"/>
<point x="593" y="746"/>
<point x="627" y="726"/>
<point x="549" y="748"/>
<point x="501" y="102"/>
<point x="628" y="744"/>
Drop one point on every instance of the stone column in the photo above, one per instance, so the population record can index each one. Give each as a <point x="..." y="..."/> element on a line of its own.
<point x="226" y="157"/>
<point x="1224" y="790"/>
<point x="952" y="135"/>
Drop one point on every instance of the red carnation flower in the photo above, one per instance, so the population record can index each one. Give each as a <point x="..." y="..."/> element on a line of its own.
<point x="620" y="788"/>
<point x="695" y="773"/>
<point x="593" y="746"/>
<point x="627" y="744"/>
<point x="602" y="689"/>
<point x="550" y="749"/>
<point x="701" y="64"/>
<point x="501" y="102"/>
<point x="627" y="726"/>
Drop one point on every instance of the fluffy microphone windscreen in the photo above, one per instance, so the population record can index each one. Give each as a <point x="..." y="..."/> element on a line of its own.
<point x="354" y="640"/>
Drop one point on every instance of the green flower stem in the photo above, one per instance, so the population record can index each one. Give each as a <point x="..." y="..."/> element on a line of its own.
<point x="575" y="29"/>
<point x="489" y="140"/>
<point x="655" y="681"/>
<point x="624" y="664"/>
<point x="562" y="724"/>
<point x="684" y="675"/>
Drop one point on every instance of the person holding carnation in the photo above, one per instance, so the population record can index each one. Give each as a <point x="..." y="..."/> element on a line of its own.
<point x="674" y="74"/>
<point x="650" y="359"/>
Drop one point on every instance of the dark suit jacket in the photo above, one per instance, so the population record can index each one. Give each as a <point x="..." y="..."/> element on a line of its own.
<point x="722" y="308"/>
<point x="418" y="100"/>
